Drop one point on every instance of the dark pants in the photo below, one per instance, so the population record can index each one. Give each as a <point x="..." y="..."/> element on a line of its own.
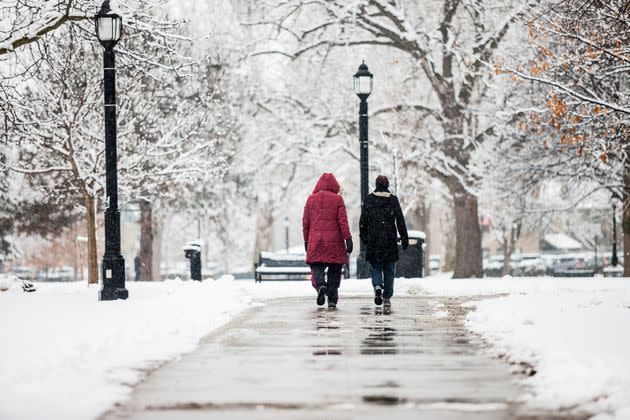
<point x="318" y="279"/>
<point x="384" y="271"/>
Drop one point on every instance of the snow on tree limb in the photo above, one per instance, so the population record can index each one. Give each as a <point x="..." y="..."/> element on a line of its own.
<point x="566" y="89"/>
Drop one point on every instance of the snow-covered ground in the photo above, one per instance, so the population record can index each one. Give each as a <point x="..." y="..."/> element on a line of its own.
<point x="75" y="356"/>
<point x="573" y="331"/>
<point x="64" y="355"/>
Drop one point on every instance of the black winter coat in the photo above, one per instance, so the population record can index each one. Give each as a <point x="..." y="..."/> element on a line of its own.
<point x="380" y="215"/>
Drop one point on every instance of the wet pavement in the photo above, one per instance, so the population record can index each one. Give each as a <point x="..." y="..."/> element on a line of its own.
<point x="290" y="359"/>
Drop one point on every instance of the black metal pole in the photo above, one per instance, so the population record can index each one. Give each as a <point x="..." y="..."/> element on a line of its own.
<point x="615" y="259"/>
<point x="363" y="270"/>
<point x="113" y="265"/>
<point x="286" y="233"/>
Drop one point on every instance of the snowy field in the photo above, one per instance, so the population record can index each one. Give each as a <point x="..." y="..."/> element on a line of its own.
<point x="59" y="342"/>
<point x="64" y="355"/>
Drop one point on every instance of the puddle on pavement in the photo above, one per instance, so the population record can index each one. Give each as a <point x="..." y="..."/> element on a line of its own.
<point x="381" y="337"/>
<point x="327" y="327"/>
<point x="383" y="400"/>
<point x="327" y="352"/>
<point x="376" y="310"/>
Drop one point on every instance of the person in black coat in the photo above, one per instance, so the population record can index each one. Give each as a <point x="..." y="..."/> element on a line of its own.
<point x="380" y="216"/>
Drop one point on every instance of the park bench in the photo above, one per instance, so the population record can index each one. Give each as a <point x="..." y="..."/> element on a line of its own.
<point x="284" y="266"/>
<point x="574" y="273"/>
<point x="279" y="266"/>
<point x="613" y="271"/>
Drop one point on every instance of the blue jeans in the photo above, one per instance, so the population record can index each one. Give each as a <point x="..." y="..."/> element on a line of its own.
<point x="384" y="271"/>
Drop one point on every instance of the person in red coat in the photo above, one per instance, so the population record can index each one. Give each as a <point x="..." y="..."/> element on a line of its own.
<point x="327" y="238"/>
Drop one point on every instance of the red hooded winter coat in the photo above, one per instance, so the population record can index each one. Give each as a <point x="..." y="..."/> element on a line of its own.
<point x="325" y="223"/>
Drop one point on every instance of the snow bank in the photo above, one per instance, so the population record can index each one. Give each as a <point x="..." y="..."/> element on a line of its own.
<point x="10" y="283"/>
<point x="573" y="331"/>
<point x="66" y="355"/>
<point x="576" y="340"/>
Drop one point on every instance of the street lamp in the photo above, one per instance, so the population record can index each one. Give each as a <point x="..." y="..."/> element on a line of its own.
<point x="615" y="260"/>
<point x="363" y="82"/>
<point x="108" y="29"/>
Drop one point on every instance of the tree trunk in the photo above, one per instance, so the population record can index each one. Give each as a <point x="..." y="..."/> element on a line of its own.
<point x="506" y="255"/>
<point x="625" y="219"/>
<point x="91" y="241"/>
<point x="468" y="253"/>
<point x="509" y="246"/>
<point x="146" y="241"/>
<point x="264" y="223"/>
<point x="158" y="228"/>
<point x="468" y="257"/>
<point x="447" y="227"/>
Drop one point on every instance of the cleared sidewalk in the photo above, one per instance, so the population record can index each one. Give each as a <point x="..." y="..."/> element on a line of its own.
<point x="288" y="359"/>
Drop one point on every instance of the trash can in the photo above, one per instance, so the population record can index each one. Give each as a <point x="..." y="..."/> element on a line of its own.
<point x="192" y="250"/>
<point x="411" y="261"/>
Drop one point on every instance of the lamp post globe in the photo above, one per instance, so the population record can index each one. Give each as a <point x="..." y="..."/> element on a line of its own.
<point x="615" y="259"/>
<point x="108" y="31"/>
<point x="108" y="25"/>
<point x="363" y="84"/>
<point x="363" y="81"/>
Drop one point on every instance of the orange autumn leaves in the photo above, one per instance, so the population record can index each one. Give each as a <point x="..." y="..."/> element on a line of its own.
<point x="568" y="124"/>
<point x="566" y="48"/>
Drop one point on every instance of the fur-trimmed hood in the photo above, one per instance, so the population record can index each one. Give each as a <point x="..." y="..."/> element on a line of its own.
<point x="327" y="182"/>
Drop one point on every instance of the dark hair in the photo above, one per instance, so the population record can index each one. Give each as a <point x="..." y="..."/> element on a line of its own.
<point x="382" y="181"/>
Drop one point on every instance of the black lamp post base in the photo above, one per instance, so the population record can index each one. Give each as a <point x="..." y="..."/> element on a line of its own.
<point x="113" y="279"/>
<point x="363" y="268"/>
<point x="111" y="293"/>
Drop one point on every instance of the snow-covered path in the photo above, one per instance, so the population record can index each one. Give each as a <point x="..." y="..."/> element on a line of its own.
<point x="288" y="359"/>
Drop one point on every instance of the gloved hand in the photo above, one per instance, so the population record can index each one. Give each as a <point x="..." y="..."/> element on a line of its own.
<point x="405" y="243"/>
<point x="306" y="246"/>
<point x="349" y="246"/>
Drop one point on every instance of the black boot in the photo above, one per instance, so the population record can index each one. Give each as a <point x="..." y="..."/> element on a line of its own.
<point x="332" y="298"/>
<point x="321" y="295"/>
<point x="378" y="295"/>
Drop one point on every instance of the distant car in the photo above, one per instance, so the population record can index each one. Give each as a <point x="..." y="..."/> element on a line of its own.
<point x="493" y="266"/>
<point x="528" y="265"/>
<point x="564" y="262"/>
<point x="56" y="274"/>
<point x="24" y="273"/>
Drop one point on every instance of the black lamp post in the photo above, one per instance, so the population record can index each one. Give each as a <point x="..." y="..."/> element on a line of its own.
<point x="363" y="82"/>
<point x="615" y="260"/>
<point x="108" y="28"/>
